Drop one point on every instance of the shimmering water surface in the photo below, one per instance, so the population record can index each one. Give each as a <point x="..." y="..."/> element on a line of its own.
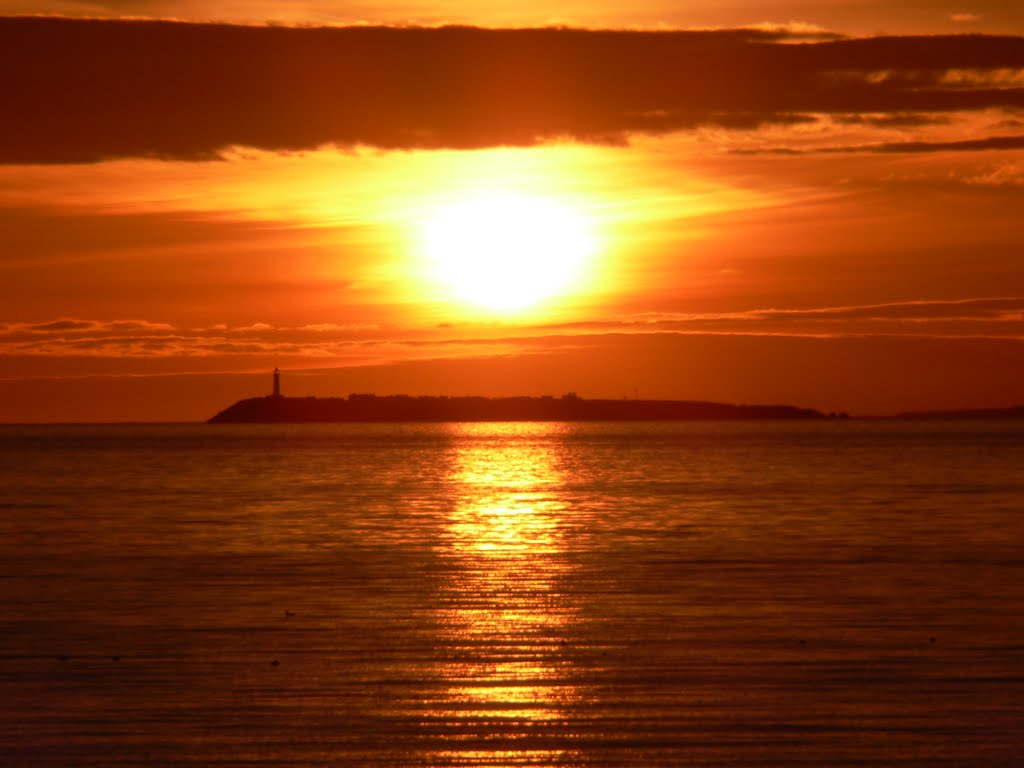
<point x="770" y="594"/>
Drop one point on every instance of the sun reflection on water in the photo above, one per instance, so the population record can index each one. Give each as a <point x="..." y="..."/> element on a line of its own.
<point x="504" y="619"/>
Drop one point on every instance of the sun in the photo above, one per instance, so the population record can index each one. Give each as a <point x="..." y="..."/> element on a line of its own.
<point x="507" y="251"/>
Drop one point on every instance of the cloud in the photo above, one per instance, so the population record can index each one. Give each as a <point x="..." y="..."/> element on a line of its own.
<point x="799" y="30"/>
<point x="62" y="325"/>
<point x="134" y="338"/>
<point x="336" y="327"/>
<point x="73" y="330"/>
<point x="990" y="318"/>
<point x="1002" y="175"/>
<point x="962" y="318"/>
<point x="961" y="309"/>
<point x="142" y="340"/>
<point x="88" y="90"/>
<point x="900" y="147"/>
<point x="895" y="120"/>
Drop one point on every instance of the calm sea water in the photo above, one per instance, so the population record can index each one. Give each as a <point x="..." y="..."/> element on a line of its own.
<point x="769" y="594"/>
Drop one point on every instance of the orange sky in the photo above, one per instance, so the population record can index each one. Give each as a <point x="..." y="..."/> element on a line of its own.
<point x="798" y="211"/>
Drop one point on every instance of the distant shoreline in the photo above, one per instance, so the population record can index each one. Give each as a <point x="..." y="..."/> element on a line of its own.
<point x="405" y="408"/>
<point x="964" y="414"/>
<point x="408" y="408"/>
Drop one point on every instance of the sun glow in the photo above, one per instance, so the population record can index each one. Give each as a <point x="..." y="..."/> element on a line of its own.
<point x="508" y="251"/>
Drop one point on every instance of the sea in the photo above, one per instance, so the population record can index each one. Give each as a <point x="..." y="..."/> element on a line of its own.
<point x="830" y="593"/>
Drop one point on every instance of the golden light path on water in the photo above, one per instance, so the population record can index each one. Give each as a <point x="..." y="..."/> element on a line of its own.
<point x="505" y="617"/>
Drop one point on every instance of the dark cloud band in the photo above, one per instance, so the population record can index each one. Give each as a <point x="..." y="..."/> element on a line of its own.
<point x="900" y="147"/>
<point x="84" y="91"/>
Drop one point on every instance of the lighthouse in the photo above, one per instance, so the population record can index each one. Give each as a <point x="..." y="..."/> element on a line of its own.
<point x="277" y="383"/>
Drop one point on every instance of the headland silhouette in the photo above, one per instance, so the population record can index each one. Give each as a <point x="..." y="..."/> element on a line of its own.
<point x="276" y="408"/>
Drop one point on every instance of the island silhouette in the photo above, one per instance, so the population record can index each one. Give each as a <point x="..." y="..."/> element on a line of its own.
<point x="569" y="407"/>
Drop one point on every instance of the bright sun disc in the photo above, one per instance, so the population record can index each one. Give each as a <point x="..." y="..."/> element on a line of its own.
<point x="507" y="252"/>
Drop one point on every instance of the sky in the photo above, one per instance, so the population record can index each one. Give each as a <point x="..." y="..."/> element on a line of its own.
<point x="816" y="204"/>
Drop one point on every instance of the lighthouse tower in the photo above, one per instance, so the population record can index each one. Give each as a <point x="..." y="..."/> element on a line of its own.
<point x="277" y="383"/>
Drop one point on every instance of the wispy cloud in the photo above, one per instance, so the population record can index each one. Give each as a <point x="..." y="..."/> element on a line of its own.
<point x="898" y="147"/>
<point x="973" y="308"/>
<point x="991" y="318"/>
<point x="1009" y="174"/>
<point x="140" y="340"/>
<point x="997" y="317"/>
<point x="66" y="325"/>
<point x="894" y="120"/>
<point x="84" y="91"/>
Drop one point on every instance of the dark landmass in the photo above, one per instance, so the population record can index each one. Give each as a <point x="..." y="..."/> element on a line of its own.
<point x="1013" y="412"/>
<point x="394" y="408"/>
